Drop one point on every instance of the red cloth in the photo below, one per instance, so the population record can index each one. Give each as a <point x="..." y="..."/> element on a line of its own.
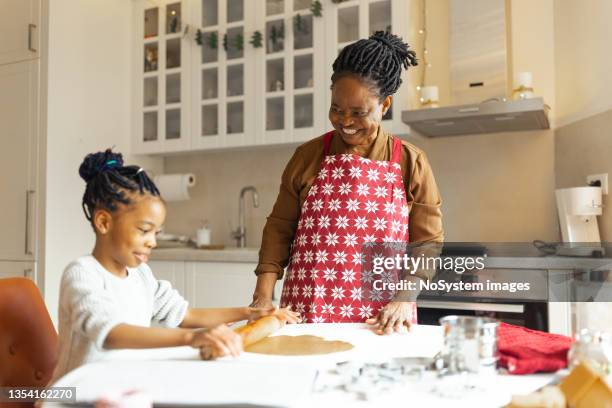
<point x="526" y="351"/>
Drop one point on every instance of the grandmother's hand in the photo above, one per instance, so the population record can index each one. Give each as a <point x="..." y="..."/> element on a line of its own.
<point x="395" y="316"/>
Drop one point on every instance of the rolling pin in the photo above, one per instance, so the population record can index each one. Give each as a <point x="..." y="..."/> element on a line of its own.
<point x="251" y="333"/>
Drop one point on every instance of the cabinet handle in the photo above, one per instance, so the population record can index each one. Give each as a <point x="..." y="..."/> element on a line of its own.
<point x="31" y="28"/>
<point x="28" y="250"/>
<point x="27" y="273"/>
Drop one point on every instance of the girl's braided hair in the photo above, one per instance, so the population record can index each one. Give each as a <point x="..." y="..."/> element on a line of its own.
<point x="109" y="181"/>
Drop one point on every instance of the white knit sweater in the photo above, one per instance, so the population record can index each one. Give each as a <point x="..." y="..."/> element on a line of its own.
<point x="93" y="301"/>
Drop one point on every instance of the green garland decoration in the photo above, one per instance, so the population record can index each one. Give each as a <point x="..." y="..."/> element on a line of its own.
<point x="256" y="39"/>
<point x="316" y="8"/>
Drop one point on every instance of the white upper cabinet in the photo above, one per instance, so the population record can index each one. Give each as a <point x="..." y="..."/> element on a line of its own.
<point x="223" y="73"/>
<point x="162" y="72"/>
<point x="291" y="83"/>
<point x="213" y="74"/>
<point x="19" y="30"/>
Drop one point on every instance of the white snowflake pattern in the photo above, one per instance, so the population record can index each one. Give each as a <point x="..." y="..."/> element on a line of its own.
<point x="342" y="221"/>
<point x="329" y="274"/>
<point x="365" y="311"/>
<point x="352" y="204"/>
<point x="330" y="159"/>
<point x="397" y="166"/>
<point x="380" y="191"/>
<point x="324" y="221"/>
<point x="307" y="291"/>
<point x="317" y="204"/>
<point x="313" y="190"/>
<point x="358" y="258"/>
<point x="295" y="291"/>
<point x="350" y="240"/>
<point x="396" y="226"/>
<point x="323" y="173"/>
<point x="321" y="256"/>
<point x="363" y="189"/>
<point x="382" y="163"/>
<point x="337" y="173"/>
<point x="345" y="188"/>
<point x="295" y="258"/>
<point x="390" y="177"/>
<point x="309" y="222"/>
<point x="356" y="293"/>
<point x="327" y="309"/>
<point x="337" y="292"/>
<point x="314" y="274"/>
<point x="301" y="240"/>
<point x="300" y="222"/>
<point x="320" y="291"/>
<point x="405" y="211"/>
<point x="328" y="188"/>
<point x="371" y="206"/>
<point x="388" y="239"/>
<point x="318" y="319"/>
<point x="305" y="206"/>
<point x="355" y="172"/>
<point x="346" y="311"/>
<point x="299" y="307"/>
<point x="398" y="193"/>
<point x="380" y="224"/>
<point x="301" y="273"/>
<point x="340" y="257"/>
<point x="367" y="276"/>
<point x="369" y="238"/>
<point x="361" y="223"/>
<point x="372" y="175"/>
<point x="334" y="204"/>
<point x="315" y="238"/>
<point x="348" y="276"/>
<point x="332" y="239"/>
<point x="390" y="208"/>
<point x="345" y="158"/>
<point x="376" y="295"/>
<point x="308" y="257"/>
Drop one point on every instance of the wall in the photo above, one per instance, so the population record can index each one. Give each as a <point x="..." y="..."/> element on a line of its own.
<point x="583" y="66"/>
<point x="495" y="187"/>
<point x="88" y="109"/>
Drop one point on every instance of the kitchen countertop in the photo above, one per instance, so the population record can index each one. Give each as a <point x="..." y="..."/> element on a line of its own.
<point x="229" y="254"/>
<point x="294" y="382"/>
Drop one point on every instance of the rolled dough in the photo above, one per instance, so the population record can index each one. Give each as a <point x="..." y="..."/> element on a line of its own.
<point x="297" y="346"/>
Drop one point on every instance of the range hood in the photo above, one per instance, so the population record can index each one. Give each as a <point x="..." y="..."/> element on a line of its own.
<point x="485" y="117"/>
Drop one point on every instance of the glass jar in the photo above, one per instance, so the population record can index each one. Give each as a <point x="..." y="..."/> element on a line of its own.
<point x="593" y="346"/>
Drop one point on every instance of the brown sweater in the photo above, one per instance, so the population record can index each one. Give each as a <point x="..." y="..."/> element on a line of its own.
<point x="422" y="195"/>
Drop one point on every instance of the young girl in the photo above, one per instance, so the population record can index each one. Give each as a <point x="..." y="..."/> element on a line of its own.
<point x="108" y="299"/>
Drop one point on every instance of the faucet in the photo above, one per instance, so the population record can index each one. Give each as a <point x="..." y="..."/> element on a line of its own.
<point x="240" y="233"/>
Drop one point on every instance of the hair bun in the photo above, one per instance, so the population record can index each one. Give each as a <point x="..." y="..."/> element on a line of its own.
<point x="398" y="46"/>
<point x="96" y="163"/>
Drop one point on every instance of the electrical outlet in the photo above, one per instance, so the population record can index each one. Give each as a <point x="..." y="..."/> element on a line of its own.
<point x="603" y="179"/>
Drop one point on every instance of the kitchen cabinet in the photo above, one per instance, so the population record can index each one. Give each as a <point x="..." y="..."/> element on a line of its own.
<point x="19" y="127"/>
<point x="206" y="82"/>
<point x="161" y="70"/>
<point x="212" y="284"/>
<point x="18" y="270"/>
<point x="19" y="30"/>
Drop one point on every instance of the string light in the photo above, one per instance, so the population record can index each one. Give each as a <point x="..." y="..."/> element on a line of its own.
<point x="423" y="32"/>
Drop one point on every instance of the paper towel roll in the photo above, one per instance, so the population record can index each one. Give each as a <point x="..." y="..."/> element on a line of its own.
<point x="174" y="187"/>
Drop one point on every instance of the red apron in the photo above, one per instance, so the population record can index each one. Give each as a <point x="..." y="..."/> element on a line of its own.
<point x="352" y="201"/>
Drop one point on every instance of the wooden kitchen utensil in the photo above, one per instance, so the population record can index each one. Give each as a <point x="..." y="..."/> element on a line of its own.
<point x="251" y="333"/>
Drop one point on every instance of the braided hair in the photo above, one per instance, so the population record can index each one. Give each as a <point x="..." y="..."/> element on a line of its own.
<point x="108" y="181"/>
<point x="377" y="60"/>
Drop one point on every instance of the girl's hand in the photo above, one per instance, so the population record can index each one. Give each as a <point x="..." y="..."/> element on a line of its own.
<point x="217" y="342"/>
<point x="284" y="314"/>
<point x="395" y="316"/>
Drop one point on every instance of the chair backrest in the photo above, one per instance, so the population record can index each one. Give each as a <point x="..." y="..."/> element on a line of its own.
<point x="28" y="340"/>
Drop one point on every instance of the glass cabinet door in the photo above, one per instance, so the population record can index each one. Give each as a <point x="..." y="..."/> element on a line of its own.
<point x="163" y="70"/>
<point x="291" y="74"/>
<point x="222" y="89"/>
